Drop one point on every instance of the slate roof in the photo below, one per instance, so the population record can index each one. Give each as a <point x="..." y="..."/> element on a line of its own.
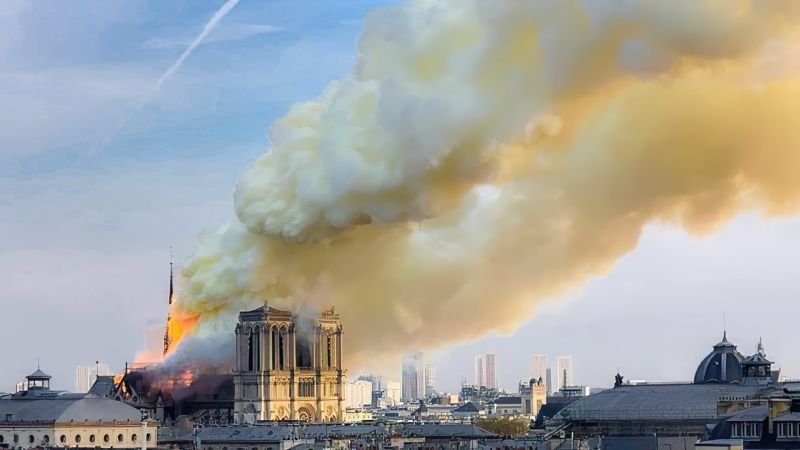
<point x="103" y="387"/>
<point x="38" y="375"/>
<point x="507" y="401"/>
<point x="468" y="407"/>
<point x="788" y="416"/>
<point x="275" y="433"/>
<point x="434" y="430"/>
<point x="657" y="402"/>
<point x="754" y="414"/>
<point x="67" y="408"/>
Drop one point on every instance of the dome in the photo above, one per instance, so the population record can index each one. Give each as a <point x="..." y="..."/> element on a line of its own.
<point x="722" y="365"/>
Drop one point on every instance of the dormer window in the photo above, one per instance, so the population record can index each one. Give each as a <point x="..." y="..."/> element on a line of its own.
<point x="746" y="430"/>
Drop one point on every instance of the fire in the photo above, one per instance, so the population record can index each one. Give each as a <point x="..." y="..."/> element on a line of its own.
<point x="179" y="325"/>
<point x="186" y="378"/>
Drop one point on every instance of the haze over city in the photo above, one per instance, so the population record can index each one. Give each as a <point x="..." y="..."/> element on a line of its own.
<point x="113" y="158"/>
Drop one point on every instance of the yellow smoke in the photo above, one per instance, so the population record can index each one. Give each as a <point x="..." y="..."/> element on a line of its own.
<point x="485" y="155"/>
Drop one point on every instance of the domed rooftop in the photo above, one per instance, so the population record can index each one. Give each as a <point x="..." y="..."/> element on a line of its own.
<point x="722" y="365"/>
<point x="68" y="409"/>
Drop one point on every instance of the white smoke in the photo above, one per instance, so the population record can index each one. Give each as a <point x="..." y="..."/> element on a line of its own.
<point x="485" y="154"/>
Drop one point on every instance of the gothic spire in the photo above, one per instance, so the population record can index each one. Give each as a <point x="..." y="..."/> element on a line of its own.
<point x="171" y="290"/>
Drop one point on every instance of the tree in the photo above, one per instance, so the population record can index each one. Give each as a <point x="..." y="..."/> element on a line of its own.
<point x="503" y="426"/>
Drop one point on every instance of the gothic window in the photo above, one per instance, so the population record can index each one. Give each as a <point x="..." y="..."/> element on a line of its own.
<point x="281" y="347"/>
<point x="256" y="349"/>
<point x="304" y="354"/>
<point x="330" y="351"/>
<point x="274" y="349"/>
<point x="249" y="352"/>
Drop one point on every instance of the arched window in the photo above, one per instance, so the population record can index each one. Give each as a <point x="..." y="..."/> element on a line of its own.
<point x="281" y="348"/>
<point x="134" y="438"/>
<point x="330" y="351"/>
<point x="16" y="438"/>
<point x="63" y="439"/>
<point x="149" y="437"/>
<point x="91" y="438"/>
<point x="2" y="439"/>
<point x="250" y="352"/>
<point x="78" y="438"/>
<point x="31" y="439"/>
<point x="46" y="438"/>
<point x="120" y="438"/>
<point x="106" y="438"/>
<point x="273" y="351"/>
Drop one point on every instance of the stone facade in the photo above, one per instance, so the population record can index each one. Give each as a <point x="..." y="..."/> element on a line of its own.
<point x="288" y="367"/>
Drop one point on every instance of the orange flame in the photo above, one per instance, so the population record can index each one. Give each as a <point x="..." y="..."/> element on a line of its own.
<point x="179" y="326"/>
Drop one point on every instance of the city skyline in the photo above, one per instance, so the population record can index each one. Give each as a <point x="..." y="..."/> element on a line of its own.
<point x="85" y="376"/>
<point x="94" y="215"/>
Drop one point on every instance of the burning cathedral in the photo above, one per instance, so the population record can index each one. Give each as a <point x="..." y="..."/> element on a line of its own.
<point x="288" y="367"/>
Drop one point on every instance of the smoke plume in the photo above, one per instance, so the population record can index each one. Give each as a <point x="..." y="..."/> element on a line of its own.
<point x="483" y="155"/>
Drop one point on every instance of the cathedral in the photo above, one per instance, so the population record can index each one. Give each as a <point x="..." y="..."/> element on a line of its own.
<point x="288" y="367"/>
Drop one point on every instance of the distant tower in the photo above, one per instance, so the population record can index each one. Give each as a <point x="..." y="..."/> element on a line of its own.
<point x="167" y="338"/>
<point x="430" y="380"/>
<point x="413" y="377"/>
<point x="490" y="378"/>
<point x="479" y="380"/>
<point x="564" y="372"/>
<point x="539" y="368"/>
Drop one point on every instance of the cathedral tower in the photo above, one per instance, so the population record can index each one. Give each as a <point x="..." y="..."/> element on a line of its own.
<point x="288" y="367"/>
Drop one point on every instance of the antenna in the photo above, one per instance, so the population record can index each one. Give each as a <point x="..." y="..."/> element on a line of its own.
<point x="724" y="326"/>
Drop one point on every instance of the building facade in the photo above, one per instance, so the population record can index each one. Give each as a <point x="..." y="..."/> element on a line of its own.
<point x="430" y="380"/>
<point x="358" y="394"/>
<point x="491" y="371"/>
<point x="287" y="369"/>
<point x="41" y="418"/>
<point x="479" y="379"/>
<point x="413" y="377"/>
<point x="539" y="367"/>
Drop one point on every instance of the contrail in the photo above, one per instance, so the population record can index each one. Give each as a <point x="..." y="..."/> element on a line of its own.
<point x="207" y="29"/>
<point x="219" y="15"/>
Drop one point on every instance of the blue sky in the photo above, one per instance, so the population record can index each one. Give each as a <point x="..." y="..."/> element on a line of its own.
<point x="99" y="175"/>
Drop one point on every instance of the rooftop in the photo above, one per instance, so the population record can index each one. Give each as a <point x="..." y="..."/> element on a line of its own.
<point x="66" y="408"/>
<point x="657" y="402"/>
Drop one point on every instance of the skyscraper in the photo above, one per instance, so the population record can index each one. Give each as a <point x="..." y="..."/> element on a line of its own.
<point x="85" y="376"/>
<point x="430" y="380"/>
<point x="392" y="393"/>
<point x="358" y="393"/>
<point x="549" y="380"/>
<point x="479" y="380"/>
<point x="539" y="367"/>
<point x="491" y="374"/>
<point x="564" y="372"/>
<point x="413" y="377"/>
